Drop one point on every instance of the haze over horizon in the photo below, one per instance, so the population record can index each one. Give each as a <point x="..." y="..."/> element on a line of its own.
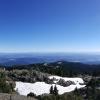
<point x="49" y="26"/>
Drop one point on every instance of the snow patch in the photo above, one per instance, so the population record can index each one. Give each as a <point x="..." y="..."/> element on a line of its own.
<point x="75" y="80"/>
<point x="40" y="88"/>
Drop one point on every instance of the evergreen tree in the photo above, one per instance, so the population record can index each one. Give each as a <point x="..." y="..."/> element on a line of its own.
<point x="51" y="90"/>
<point x="55" y="90"/>
<point x="76" y="91"/>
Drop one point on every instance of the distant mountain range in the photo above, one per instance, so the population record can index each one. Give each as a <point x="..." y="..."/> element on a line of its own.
<point x="30" y="58"/>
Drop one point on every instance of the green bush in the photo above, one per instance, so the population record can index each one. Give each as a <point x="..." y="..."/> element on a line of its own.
<point x="5" y="87"/>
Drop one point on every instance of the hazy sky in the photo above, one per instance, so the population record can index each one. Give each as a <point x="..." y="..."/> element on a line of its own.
<point x="49" y="25"/>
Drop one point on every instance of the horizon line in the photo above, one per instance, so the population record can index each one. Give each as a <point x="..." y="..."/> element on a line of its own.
<point x="84" y="52"/>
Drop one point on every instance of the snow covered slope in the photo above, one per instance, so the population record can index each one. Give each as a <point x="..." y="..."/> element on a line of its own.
<point x="40" y="88"/>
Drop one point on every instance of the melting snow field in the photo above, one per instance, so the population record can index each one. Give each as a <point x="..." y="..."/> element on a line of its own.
<point x="40" y="88"/>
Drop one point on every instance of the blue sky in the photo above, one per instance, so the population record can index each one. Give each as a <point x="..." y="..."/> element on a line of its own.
<point x="49" y="25"/>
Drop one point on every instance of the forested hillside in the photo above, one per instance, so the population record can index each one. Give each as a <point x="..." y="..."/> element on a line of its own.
<point x="41" y="72"/>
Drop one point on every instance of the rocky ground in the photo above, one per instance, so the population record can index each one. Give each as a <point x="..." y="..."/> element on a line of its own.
<point x="14" y="97"/>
